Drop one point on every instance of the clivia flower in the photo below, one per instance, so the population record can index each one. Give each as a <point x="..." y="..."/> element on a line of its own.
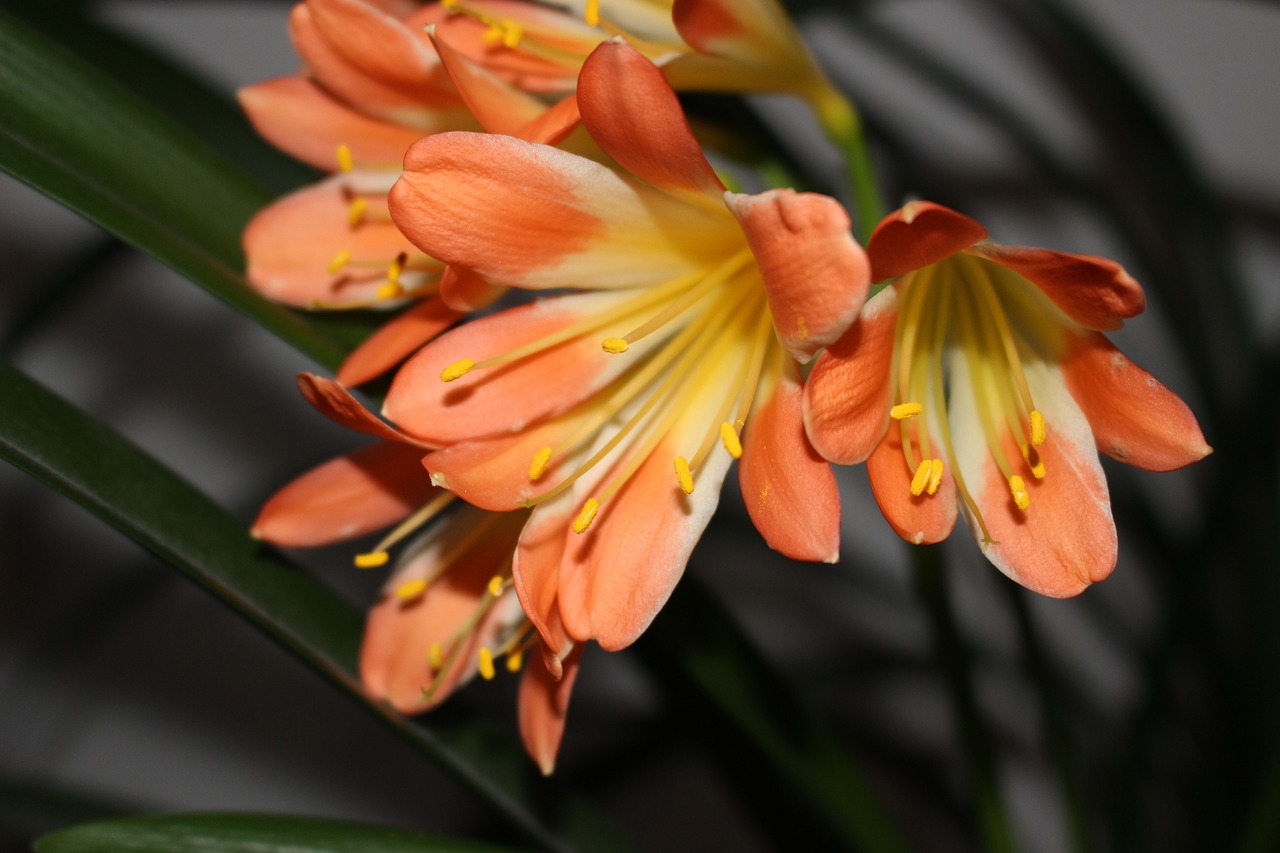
<point x="980" y="379"/>
<point x="448" y="613"/>
<point x="615" y="412"/>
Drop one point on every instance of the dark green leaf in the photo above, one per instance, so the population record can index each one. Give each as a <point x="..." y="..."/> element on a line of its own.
<point x="84" y="460"/>
<point x="246" y="833"/>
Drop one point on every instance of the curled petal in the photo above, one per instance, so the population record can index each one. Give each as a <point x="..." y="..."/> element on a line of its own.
<point x="646" y="131"/>
<point x="755" y="32"/>
<point x="919" y="519"/>
<point x="465" y="290"/>
<point x="347" y="497"/>
<point x="336" y="403"/>
<point x="535" y="573"/>
<point x="916" y="235"/>
<point x="395" y="341"/>
<point x="297" y="116"/>
<point x="848" y="394"/>
<point x="1134" y="418"/>
<point x="544" y="705"/>
<point x="1095" y="292"/>
<point x="815" y="273"/>
<point x="789" y="490"/>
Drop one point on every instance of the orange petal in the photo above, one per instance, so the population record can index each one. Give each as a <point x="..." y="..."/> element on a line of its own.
<point x="395" y="660"/>
<point x="504" y="399"/>
<point x="847" y="396"/>
<point x="347" y="497"/>
<point x="377" y="64"/>
<point x="789" y="490"/>
<point x="537" y="217"/>
<point x="544" y="704"/>
<point x="617" y="575"/>
<point x="396" y="340"/>
<point x="297" y="116"/>
<point x="1134" y="418"/>
<point x="564" y="33"/>
<point x="646" y="131"/>
<point x="493" y="473"/>
<point x="465" y="290"/>
<point x="290" y="243"/>
<point x="916" y="235"/>
<point x="815" y="273"/>
<point x="336" y="403"/>
<point x="919" y="519"/>
<point x="535" y="572"/>
<point x="1095" y="292"/>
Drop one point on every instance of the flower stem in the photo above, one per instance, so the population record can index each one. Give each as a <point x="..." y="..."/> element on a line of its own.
<point x="843" y="124"/>
<point x="953" y="657"/>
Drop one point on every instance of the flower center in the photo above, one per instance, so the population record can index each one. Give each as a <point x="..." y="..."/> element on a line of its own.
<point x="977" y="314"/>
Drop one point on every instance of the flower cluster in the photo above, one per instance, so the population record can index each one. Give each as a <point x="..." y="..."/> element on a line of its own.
<point x="562" y="456"/>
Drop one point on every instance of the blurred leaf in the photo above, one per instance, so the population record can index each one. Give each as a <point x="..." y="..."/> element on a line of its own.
<point x="87" y="143"/>
<point x="246" y="833"/>
<point x="68" y="450"/>
<point x="28" y="808"/>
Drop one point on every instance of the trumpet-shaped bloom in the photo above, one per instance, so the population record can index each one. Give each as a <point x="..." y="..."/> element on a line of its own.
<point x="615" y="412"/>
<point x="980" y="380"/>
<point x="449" y="611"/>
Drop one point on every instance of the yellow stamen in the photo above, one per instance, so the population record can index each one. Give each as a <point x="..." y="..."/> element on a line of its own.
<point x="345" y="161"/>
<point x="683" y="475"/>
<point x="588" y="515"/>
<point x="921" y="478"/>
<point x="339" y="261"/>
<point x="429" y="511"/>
<point x="592" y="13"/>
<point x="495" y="586"/>
<point x="1034" y="461"/>
<point x="411" y="589"/>
<point x="372" y="560"/>
<point x="1037" y="428"/>
<point x="356" y="211"/>
<point x="902" y="411"/>
<point x="729" y="437"/>
<point x="515" y="660"/>
<point x="389" y="290"/>
<point x="486" y="663"/>
<point x="613" y="345"/>
<point x="539" y="465"/>
<point x="935" y="476"/>
<point x="1018" y="489"/>
<point x="457" y="370"/>
<point x="435" y="655"/>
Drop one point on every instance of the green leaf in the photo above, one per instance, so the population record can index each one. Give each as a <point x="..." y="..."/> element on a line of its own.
<point x="246" y="833"/>
<point x="84" y="141"/>
<point x="70" y="451"/>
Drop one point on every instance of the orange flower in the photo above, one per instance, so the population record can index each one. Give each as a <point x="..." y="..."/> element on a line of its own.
<point x="448" y="612"/>
<point x="980" y="379"/>
<point x="603" y="410"/>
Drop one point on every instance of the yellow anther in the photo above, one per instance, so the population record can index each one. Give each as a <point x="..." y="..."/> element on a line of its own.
<point x="457" y="370"/>
<point x="486" y="663"/>
<point x="1037" y="428"/>
<point x="397" y="267"/>
<point x="684" y="475"/>
<point x="729" y="438"/>
<point x="592" y="13"/>
<point x="388" y="290"/>
<point x="1018" y="489"/>
<point x="613" y="345"/>
<point x="921" y="478"/>
<point x="411" y="589"/>
<point x="512" y="33"/>
<point x="588" y="515"/>
<point x="372" y="560"/>
<point x="345" y="162"/>
<point x="935" y="476"/>
<point x="538" y="466"/>
<point x="339" y="261"/>
<point x="449" y="4"/>
<point x="1034" y="462"/>
<point x="495" y="586"/>
<point x="515" y="660"/>
<point x="435" y="655"/>
<point x="902" y="411"/>
<point x="356" y="211"/>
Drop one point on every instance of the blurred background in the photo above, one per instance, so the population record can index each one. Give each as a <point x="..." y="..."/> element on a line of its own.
<point x="125" y="689"/>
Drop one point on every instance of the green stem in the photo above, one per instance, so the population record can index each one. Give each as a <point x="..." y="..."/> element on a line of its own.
<point x="843" y="124"/>
<point x="949" y="646"/>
